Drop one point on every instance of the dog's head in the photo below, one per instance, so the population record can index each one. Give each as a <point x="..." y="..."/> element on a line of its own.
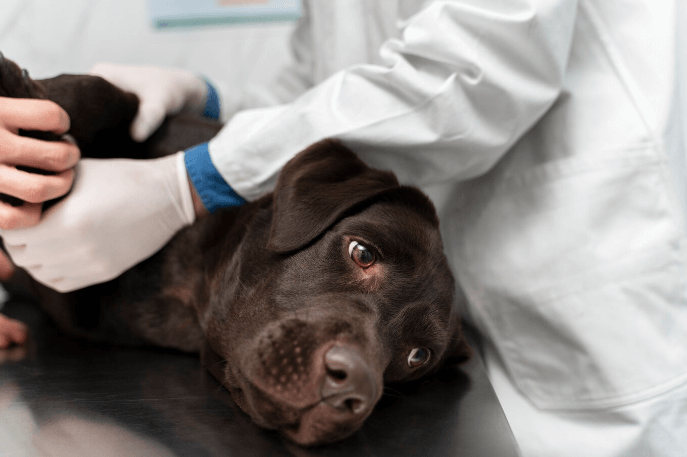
<point x="350" y="290"/>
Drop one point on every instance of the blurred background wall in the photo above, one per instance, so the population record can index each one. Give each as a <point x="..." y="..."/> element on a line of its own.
<point x="49" y="37"/>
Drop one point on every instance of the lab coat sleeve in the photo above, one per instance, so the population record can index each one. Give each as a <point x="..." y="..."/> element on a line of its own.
<point x="462" y="84"/>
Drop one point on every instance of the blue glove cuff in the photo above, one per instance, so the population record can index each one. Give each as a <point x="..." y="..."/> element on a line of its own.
<point x="213" y="190"/>
<point x="212" y="104"/>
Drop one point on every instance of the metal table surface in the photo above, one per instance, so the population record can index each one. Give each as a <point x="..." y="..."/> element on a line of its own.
<point x="66" y="397"/>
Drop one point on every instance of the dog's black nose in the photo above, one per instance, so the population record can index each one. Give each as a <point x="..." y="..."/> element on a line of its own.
<point x="349" y="384"/>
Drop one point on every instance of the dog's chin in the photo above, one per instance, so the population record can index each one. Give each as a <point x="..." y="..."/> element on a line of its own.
<point x="313" y="424"/>
<point x="319" y="425"/>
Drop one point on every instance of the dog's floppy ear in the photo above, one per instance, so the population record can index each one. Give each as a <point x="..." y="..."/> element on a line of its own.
<point x="316" y="188"/>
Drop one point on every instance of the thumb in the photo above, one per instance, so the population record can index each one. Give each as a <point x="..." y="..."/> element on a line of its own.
<point x="148" y="119"/>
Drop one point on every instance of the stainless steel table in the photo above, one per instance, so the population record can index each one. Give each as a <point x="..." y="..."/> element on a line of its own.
<point x="64" y="397"/>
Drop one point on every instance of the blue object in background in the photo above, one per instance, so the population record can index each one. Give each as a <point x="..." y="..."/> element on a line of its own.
<point x="193" y="13"/>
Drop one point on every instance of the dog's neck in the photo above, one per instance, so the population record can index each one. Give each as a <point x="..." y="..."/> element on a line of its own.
<point x="207" y="254"/>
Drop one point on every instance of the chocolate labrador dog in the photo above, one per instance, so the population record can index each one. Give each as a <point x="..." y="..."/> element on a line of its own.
<point x="302" y="303"/>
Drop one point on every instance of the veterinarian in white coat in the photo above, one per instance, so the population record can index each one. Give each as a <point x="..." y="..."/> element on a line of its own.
<point x="551" y="135"/>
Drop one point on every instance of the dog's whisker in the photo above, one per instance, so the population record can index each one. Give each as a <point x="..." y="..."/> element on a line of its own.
<point x="391" y="392"/>
<point x="219" y="388"/>
<point x="221" y="362"/>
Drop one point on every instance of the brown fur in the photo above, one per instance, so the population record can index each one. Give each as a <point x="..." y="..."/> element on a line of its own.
<point x="300" y="334"/>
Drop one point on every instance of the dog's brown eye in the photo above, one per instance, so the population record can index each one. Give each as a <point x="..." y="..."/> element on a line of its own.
<point x="418" y="357"/>
<point x="361" y="255"/>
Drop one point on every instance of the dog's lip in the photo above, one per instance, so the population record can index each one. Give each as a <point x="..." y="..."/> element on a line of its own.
<point x="249" y="406"/>
<point x="293" y="429"/>
<point x="310" y="430"/>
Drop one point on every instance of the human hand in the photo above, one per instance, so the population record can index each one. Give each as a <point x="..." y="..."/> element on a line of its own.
<point x="15" y="151"/>
<point x="161" y="91"/>
<point x="118" y="213"/>
<point x="6" y="267"/>
<point x="11" y="331"/>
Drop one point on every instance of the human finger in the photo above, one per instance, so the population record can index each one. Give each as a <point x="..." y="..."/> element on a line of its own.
<point x="11" y="331"/>
<point x="32" y="187"/>
<point x="12" y="354"/>
<point x="6" y="267"/>
<point x="16" y="217"/>
<point x="33" y="114"/>
<point x="45" y="155"/>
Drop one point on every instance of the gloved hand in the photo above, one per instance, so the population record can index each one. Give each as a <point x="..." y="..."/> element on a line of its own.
<point x="162" y="91"/>
<point x="119" y="212"/>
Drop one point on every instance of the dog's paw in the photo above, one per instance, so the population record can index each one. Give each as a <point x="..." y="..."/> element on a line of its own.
<point x="16" y="83"/>
<point x="12" y="332"/>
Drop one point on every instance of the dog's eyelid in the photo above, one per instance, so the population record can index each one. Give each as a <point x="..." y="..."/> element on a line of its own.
<point x="419" y="356"/>
<point x="367" y="244"/>
<point x="352" y="246"/>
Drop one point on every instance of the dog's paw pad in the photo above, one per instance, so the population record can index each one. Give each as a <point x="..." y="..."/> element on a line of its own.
<point x="12" y="332"/>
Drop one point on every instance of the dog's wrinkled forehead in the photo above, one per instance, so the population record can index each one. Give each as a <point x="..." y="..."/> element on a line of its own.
<point x="357" y="229"/>
<point x="401" y="225"/>
<point x="397" y="227"/>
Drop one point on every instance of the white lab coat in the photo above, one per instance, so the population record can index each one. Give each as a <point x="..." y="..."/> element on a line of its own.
<point x="550" y="134"/>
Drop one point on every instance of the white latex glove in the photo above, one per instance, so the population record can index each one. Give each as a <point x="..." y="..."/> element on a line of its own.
<point x="162" y="91"/>
<point x="119" y="212"/>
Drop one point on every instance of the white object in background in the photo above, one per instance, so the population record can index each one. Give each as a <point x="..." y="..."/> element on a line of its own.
<point x="49" y="38"/>
<point x="192" y="13"/>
